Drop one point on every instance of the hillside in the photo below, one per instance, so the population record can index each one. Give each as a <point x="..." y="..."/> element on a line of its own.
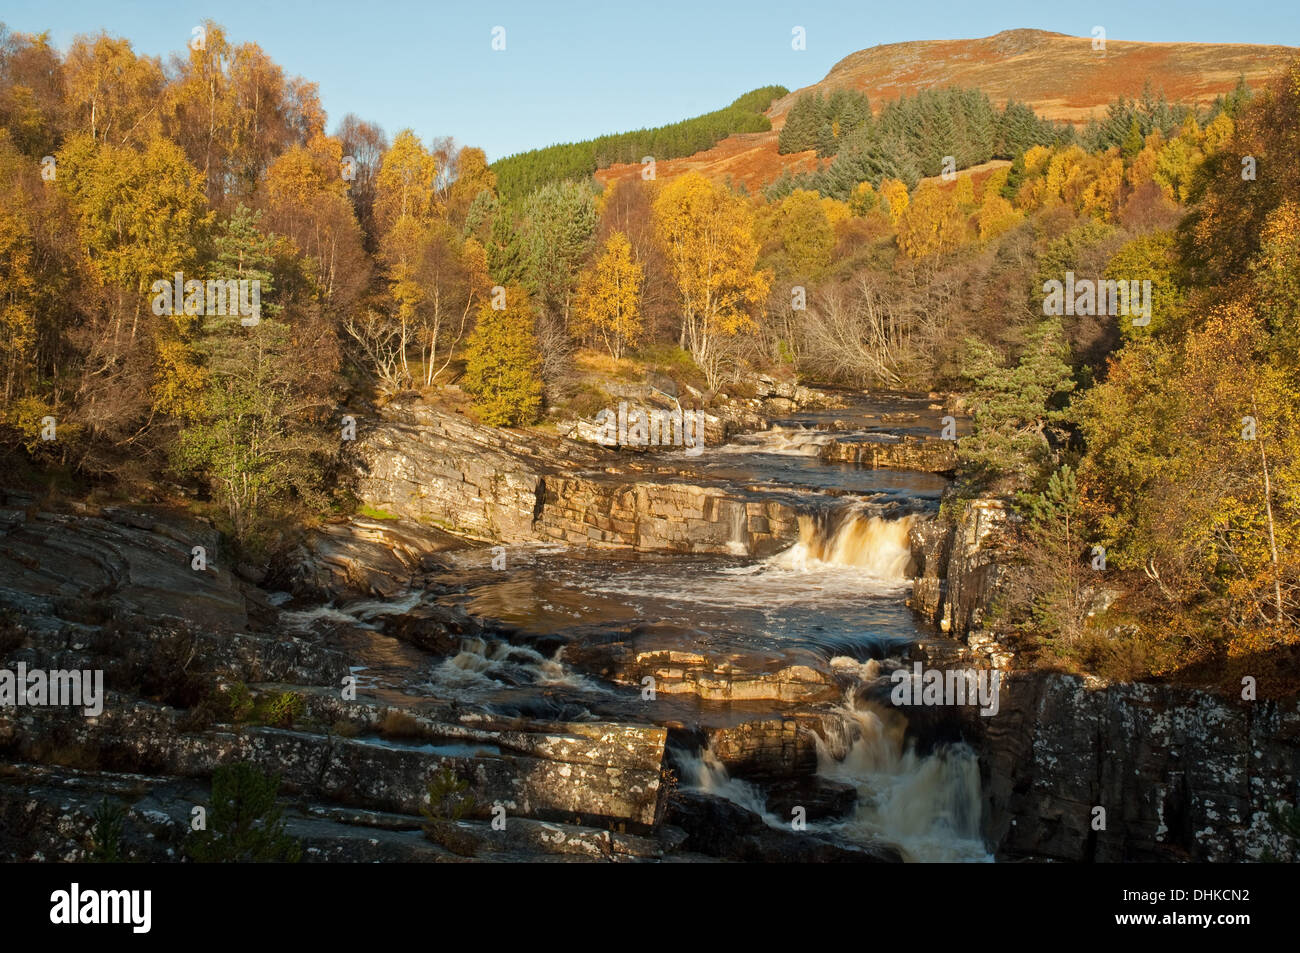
<point x="1061" y="77"/>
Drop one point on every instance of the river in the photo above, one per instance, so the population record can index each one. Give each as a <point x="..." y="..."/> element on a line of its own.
<point x="833" y="601"/>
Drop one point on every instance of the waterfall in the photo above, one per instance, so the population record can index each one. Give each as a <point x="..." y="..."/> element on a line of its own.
<point x="705" y="772"/>
<point x="852" y="538"/>
<point x="738" y="544"/>
<point x="929" y="805"/>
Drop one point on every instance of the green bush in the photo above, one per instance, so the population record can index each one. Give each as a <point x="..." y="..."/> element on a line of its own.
<point x="244" y="824"/>
<point x="106" y="834"/>
<point x="447" y="800"/>
<point x="282" y="710"/>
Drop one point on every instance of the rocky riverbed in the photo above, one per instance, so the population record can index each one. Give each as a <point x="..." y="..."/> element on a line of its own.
<point x="625" y="655"/>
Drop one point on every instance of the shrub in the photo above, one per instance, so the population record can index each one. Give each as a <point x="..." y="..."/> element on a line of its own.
<point x="106" y="833"/>
<point x="446" y="798"/>
<point x="244" y="823"/>
<point x="282" y="710"/>
<point x="235" y="704"/>
<point x="398" y="724"/>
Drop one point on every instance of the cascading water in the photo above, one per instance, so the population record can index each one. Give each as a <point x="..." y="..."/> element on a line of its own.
<point x="832" y="601"/>
<point x="878" y="546"/>
<point x="705" y="772"/>
<point x="929" y="805"/>
<point x="486" y="664"/>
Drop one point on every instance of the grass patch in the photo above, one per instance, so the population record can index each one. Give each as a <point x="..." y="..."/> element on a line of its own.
<point x="601" y="364"/>
<point x="398" y="724"/>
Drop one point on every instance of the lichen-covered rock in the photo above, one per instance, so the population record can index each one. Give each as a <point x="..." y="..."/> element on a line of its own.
<point x="767" y="748"/>
<point x="1181" y="774"/>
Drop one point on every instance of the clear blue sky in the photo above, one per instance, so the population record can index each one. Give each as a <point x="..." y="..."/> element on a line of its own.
<point x="575" y="70"/>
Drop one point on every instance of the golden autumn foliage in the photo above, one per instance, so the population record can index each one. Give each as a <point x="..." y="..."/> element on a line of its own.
<point x="609" y="297"/>
<point x="111" y="92"/>
<point x="1099" y="198"/>
<point x="894" y="197"/>
<point x="502" y="364"/>
<point x="798" y="233"/>
<point x="996" y="216"/>
<point x="1218" y="133"/>
<point x="1175" y="166"/>
<point x="932" y="223"/>
<point x="139" y="212"/>
<point x="406" y="181"/>
<point x="835" y="211"/>
<point x="1142" y="167"/>
<point x="964" y="194"/>
<point x="1036" y="158"/>
<point x="864" y="199"/>
<point x="17" y="296"/>
<point x="707" y="236"/>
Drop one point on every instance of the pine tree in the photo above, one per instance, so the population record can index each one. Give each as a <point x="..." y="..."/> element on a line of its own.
<point x="803" y="124"/>
<point x="826" y="144"/>
<point x="505" y="252"/>
<point x="1016" y="409"/>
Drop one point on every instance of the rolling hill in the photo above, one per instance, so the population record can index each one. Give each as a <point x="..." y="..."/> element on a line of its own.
<point x="1061" y="77"/>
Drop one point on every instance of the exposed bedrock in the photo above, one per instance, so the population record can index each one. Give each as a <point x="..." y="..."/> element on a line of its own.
<point x="959" y="565"/>
<point x="691" y="666"/>
<point x="601" y="772"/>
<point x="433" y="467"/>
<point x="1182" y="774"/>
<point x="895" y="453"/>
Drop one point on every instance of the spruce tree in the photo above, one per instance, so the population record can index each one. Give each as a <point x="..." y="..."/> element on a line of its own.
<point x="1134" y="141"/>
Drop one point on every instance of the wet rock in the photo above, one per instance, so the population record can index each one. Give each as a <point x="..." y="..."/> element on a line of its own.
<point x="924" y="454"/>
<point x="819" y="797"/>
<point x="435" y="628"/>
<point x="767" y="748"/>
<point x="720" y="828"/>
<point x="647" y="651"/>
